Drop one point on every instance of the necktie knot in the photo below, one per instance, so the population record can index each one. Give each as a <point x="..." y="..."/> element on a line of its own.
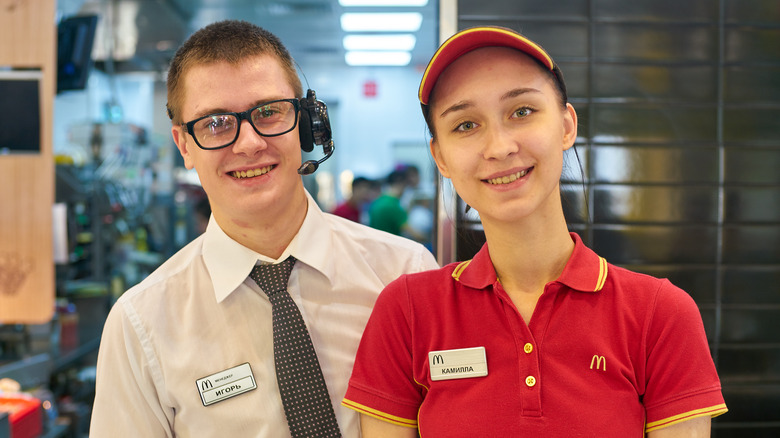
<point x="273" y="278"/>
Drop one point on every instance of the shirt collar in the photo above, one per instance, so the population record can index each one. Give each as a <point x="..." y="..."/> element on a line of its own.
<point x="585" y="271"/>
<point x="314" y="242"/>
<point x="229" y="263"/>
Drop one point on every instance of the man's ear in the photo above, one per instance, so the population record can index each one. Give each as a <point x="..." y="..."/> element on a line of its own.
<point x="569" y="126"/>
<point x="180" y="138"/>
<point x="436" y="154"/>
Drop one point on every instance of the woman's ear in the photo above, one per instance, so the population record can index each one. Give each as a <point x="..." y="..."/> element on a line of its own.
<point x="569" y="126"/>
<point x="436" y="154"/>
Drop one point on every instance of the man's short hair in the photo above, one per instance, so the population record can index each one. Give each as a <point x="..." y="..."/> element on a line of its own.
<point x="363" y="181"/>
<point x="396" y="176"/>
<point x="230" y="41"/>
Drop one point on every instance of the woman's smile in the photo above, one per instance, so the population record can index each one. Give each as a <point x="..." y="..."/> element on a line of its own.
<point x="509" y="178"/>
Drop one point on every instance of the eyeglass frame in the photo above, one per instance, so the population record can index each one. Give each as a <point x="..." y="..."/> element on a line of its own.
<point x="241" y="116"/>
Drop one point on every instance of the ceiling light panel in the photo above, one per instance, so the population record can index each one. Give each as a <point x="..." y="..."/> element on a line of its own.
<point x="389" y="22"/>
<point x="383" y="2"/>
<point x="380" y="42"/>
<point x="367" y="58"/>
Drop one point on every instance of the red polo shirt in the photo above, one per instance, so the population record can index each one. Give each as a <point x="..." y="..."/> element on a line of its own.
<point x="608" y="353"/>
<point x="347" y="211"/>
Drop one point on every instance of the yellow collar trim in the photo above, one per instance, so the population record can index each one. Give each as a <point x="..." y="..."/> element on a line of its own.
<point x="602" y="274"/>
<point x="459" y="270"/>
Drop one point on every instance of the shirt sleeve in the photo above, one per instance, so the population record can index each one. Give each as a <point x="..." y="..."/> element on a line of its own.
<point x="126" y="397"/>
<point x="382" y="384"/>
<point x="427" y="261"/>
<point x="681" y="380"/>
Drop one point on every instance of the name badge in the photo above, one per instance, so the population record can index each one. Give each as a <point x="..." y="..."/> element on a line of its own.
<point x="462" y="363"/>
<point x="226" y="384"/>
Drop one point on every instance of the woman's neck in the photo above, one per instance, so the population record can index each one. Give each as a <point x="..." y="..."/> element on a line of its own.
<point x="529" y="254"/>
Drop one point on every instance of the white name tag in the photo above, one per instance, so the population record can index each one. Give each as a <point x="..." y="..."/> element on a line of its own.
<point x="226" y="384"/>
<point x="463" y="363"/>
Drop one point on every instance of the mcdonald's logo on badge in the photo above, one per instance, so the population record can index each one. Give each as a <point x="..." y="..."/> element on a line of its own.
<point x="226" y="384"/>
<point x="461" y="363"/>
<point x="598" y="361"/>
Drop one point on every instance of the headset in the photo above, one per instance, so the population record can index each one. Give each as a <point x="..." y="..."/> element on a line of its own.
<point x="314" y="129"/>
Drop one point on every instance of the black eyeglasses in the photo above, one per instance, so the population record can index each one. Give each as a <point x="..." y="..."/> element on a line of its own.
<point x="269" y="119"/>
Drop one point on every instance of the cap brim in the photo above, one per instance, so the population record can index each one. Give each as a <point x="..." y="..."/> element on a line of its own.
<point x="471" y="39"/>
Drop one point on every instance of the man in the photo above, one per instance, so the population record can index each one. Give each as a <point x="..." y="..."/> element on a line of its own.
<point x="190" y="350"/>
<point x="364" y="191"/>
<point x="386" y="212"/>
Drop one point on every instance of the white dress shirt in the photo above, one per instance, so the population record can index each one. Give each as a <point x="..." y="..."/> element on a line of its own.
<point x="199" y="314"/>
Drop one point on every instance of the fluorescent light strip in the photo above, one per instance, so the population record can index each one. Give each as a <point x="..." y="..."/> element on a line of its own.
<point x="383" y="2"/>
<point x="389" y="22"/>
<point x="364" y="58"/>
<point x="404" y="41"/>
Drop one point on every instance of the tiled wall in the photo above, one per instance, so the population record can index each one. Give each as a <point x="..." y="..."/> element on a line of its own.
<point x="679" y="105"/>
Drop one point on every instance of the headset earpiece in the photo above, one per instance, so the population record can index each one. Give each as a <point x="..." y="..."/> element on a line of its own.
<point x="315" y="124"/>
<point x="305" y="128"/>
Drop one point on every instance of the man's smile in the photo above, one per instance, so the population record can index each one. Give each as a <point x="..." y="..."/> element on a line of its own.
<point x="251" y="172"/>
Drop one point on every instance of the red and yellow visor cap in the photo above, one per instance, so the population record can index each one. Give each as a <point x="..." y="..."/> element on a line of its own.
<point x="472" y="39"/>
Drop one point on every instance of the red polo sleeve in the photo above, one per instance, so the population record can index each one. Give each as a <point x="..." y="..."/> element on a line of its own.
<point x="681" y="379"/>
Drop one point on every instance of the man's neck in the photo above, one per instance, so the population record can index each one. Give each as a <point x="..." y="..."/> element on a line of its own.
<point x="267" y="234"/>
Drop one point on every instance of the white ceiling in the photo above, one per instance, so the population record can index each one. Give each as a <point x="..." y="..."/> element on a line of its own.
<point x="142" y="35"/>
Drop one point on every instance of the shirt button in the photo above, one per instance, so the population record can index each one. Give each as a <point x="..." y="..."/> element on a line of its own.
<point x="530" y="381"/>
<point x="528" y="348"/>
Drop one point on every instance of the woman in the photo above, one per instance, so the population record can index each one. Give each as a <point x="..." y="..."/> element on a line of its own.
<point x="537" y="335"/>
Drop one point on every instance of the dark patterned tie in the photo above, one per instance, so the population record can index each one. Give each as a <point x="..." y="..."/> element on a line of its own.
<point x="303" y="389"/>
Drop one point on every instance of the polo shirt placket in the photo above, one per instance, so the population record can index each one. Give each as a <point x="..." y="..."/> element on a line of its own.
<point x="527" y="356"/>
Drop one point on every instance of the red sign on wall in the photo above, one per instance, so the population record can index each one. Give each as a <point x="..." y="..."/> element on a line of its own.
<point x="369" y="88"/>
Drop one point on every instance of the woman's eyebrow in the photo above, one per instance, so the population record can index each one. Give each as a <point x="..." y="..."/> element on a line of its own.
<point x="457" y="107"/>
<point x="518" y="92"/>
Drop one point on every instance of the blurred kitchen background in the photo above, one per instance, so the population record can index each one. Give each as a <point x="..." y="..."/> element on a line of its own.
<point x="676" y="171"/>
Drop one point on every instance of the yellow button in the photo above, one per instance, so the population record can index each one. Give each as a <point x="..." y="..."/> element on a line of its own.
<point x="528" y="348"/>
<point x="530" y="381"/>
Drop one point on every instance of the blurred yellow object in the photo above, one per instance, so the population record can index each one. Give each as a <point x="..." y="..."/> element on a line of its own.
<point x="63" y="159"/>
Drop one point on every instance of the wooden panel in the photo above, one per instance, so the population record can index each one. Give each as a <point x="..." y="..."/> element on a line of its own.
<point x="26" y="260"/>
<point x="28" y="33"/>
<point x="27" y="28"/>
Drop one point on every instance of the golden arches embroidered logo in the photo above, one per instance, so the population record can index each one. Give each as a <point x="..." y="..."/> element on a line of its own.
<point x="599" y="362"/>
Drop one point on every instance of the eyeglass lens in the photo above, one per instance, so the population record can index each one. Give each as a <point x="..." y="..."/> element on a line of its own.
<point x="269" y="119"/>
